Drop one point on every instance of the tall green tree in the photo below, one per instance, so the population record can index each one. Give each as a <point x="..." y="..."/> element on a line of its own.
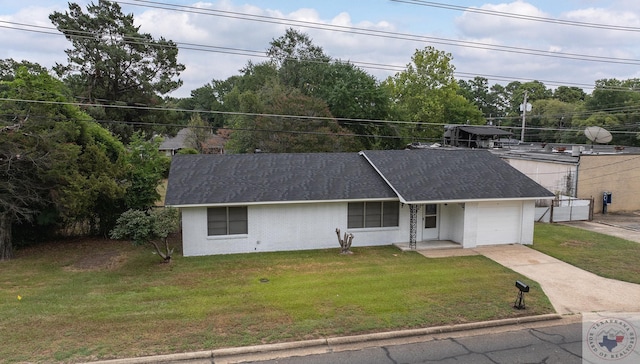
<point x="569" y="94"/>
<point x="426" y="93"/>
<point x="146" y="167"/>
<point x="478" y="92"/>
<point x="42" y="142"/>
<point x="112" y="64"/>
<point x="199" y="133"/>
<point x="300" y="63"/>
<point x="349" y="92"/>
<point x="613" y="104"/>
<point x="552" y="120"/>
<point x="360" y="103"/>
<point x="286" y="121"/>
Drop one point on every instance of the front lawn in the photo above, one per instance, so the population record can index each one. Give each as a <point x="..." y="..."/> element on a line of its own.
<point x="604" y="255"/>
<point x="71" y="302"/>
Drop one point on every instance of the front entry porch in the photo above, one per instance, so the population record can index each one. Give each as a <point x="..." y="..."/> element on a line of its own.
<point x="429" y="245"/>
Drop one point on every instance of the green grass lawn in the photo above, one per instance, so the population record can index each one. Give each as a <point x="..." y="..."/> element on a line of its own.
<point x="604" y="255"/>
<point x="103" y="299"/>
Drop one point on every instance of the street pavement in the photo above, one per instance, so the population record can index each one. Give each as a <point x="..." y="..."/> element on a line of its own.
<point x="549" y="344"/>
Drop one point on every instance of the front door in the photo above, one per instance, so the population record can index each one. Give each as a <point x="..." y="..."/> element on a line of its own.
<point x="430" y="222"/>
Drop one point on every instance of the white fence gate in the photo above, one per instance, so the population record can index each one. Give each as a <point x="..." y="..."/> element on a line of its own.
<point x="565" y="209"/>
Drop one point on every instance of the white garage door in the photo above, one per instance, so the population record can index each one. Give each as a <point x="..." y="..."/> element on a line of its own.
<point x="499" y="223"/>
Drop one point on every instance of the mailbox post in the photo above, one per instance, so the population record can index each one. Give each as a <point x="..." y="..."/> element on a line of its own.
<point x="522" y="288"/>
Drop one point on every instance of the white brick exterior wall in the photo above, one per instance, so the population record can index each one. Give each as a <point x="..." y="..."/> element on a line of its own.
<point x="312" y="226"/>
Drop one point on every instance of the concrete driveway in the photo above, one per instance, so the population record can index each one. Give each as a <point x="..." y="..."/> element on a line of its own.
<point x="570" y="289"/>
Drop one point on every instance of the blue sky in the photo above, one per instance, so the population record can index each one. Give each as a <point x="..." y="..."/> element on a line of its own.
<point x="440" y="25"/>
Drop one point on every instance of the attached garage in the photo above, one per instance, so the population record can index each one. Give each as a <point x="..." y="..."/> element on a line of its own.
<point x="499" y="222"/>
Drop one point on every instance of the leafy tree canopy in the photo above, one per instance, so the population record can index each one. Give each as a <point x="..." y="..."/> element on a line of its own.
<point x="112" y="63"/>
<point x="51" y="155"/>
<point x="427" y="94"/>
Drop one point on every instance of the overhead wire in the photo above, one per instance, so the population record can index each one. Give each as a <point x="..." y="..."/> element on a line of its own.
<point x="244" y="52"/>
<point x="262" y="54"/>
<point x="193" y="46"/>
<point x="520" y="16"/>
<point x="377" y="33"/>
<point x="282" y="116"/>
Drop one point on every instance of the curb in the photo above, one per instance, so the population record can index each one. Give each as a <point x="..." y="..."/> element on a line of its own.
<point x="329" y="342"/>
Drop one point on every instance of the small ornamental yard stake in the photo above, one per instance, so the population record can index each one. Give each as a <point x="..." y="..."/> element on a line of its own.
<point x="345" y="242"/>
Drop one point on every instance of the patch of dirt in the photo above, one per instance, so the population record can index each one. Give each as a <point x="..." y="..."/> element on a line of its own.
<point x="577" y="244"/>
<point x="99" y="260"/>
<point x="88" y="253"/>
<point x="81" y="253"/>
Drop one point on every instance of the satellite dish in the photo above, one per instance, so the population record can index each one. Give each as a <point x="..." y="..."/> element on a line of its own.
<point x="597" y="134"/>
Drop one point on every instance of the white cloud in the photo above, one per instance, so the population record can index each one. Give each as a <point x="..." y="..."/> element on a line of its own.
<point x="35" y="45"/>
<point x="545" y="35"/>
<point x="227" y="30"/>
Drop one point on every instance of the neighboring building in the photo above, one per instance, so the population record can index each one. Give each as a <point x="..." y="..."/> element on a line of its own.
<point x="172" y="145"/>
<point x="270" y="202"/>
<point x="557" y="172"/>
<point x="586" y="172"/>
<point x="474" y="136"/>
<point x="616" y="174"/>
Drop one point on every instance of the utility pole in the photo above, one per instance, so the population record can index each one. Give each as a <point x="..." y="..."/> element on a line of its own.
<point x="523" y="108"/>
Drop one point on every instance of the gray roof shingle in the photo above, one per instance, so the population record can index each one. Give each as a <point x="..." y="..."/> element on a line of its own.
<point x="437" y="174"/>
<point x="260" y="178"/>
<point x="416" y="175"/>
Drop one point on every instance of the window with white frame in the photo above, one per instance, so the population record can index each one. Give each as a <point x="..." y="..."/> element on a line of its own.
<point x="430" y="216"/>
<point x="373" y="214"/>
<point x="227" y="220"/>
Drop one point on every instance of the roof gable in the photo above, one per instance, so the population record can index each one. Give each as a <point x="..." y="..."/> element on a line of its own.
<point x="438" y="174"/>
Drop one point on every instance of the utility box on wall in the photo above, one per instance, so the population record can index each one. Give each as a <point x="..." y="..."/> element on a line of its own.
<point x="606" y="200"/>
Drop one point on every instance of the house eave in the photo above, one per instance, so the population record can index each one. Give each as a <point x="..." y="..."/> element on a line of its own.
<point x="425" y="202"/>
<point x="417" y="202"/>
<point x="261" y="203"/>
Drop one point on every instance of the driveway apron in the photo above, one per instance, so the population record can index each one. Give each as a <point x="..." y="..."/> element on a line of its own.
<point x="570" y="289"/>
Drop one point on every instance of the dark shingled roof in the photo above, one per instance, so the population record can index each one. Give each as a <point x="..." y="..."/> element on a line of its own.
<point x="484" y="130"/>
<point x="416" y="175"/>
<point x="253" y="178"/>
<point x="452" y="174"/>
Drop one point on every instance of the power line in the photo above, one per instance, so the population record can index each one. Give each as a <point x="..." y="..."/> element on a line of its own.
<point x="283" y="116"/>
<point x="378" y="33"/>
<point x="520" y="16"/>
<point x="218" y="49"/>
<point x="236" y="113"/>
<point x="261" y="54"/>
